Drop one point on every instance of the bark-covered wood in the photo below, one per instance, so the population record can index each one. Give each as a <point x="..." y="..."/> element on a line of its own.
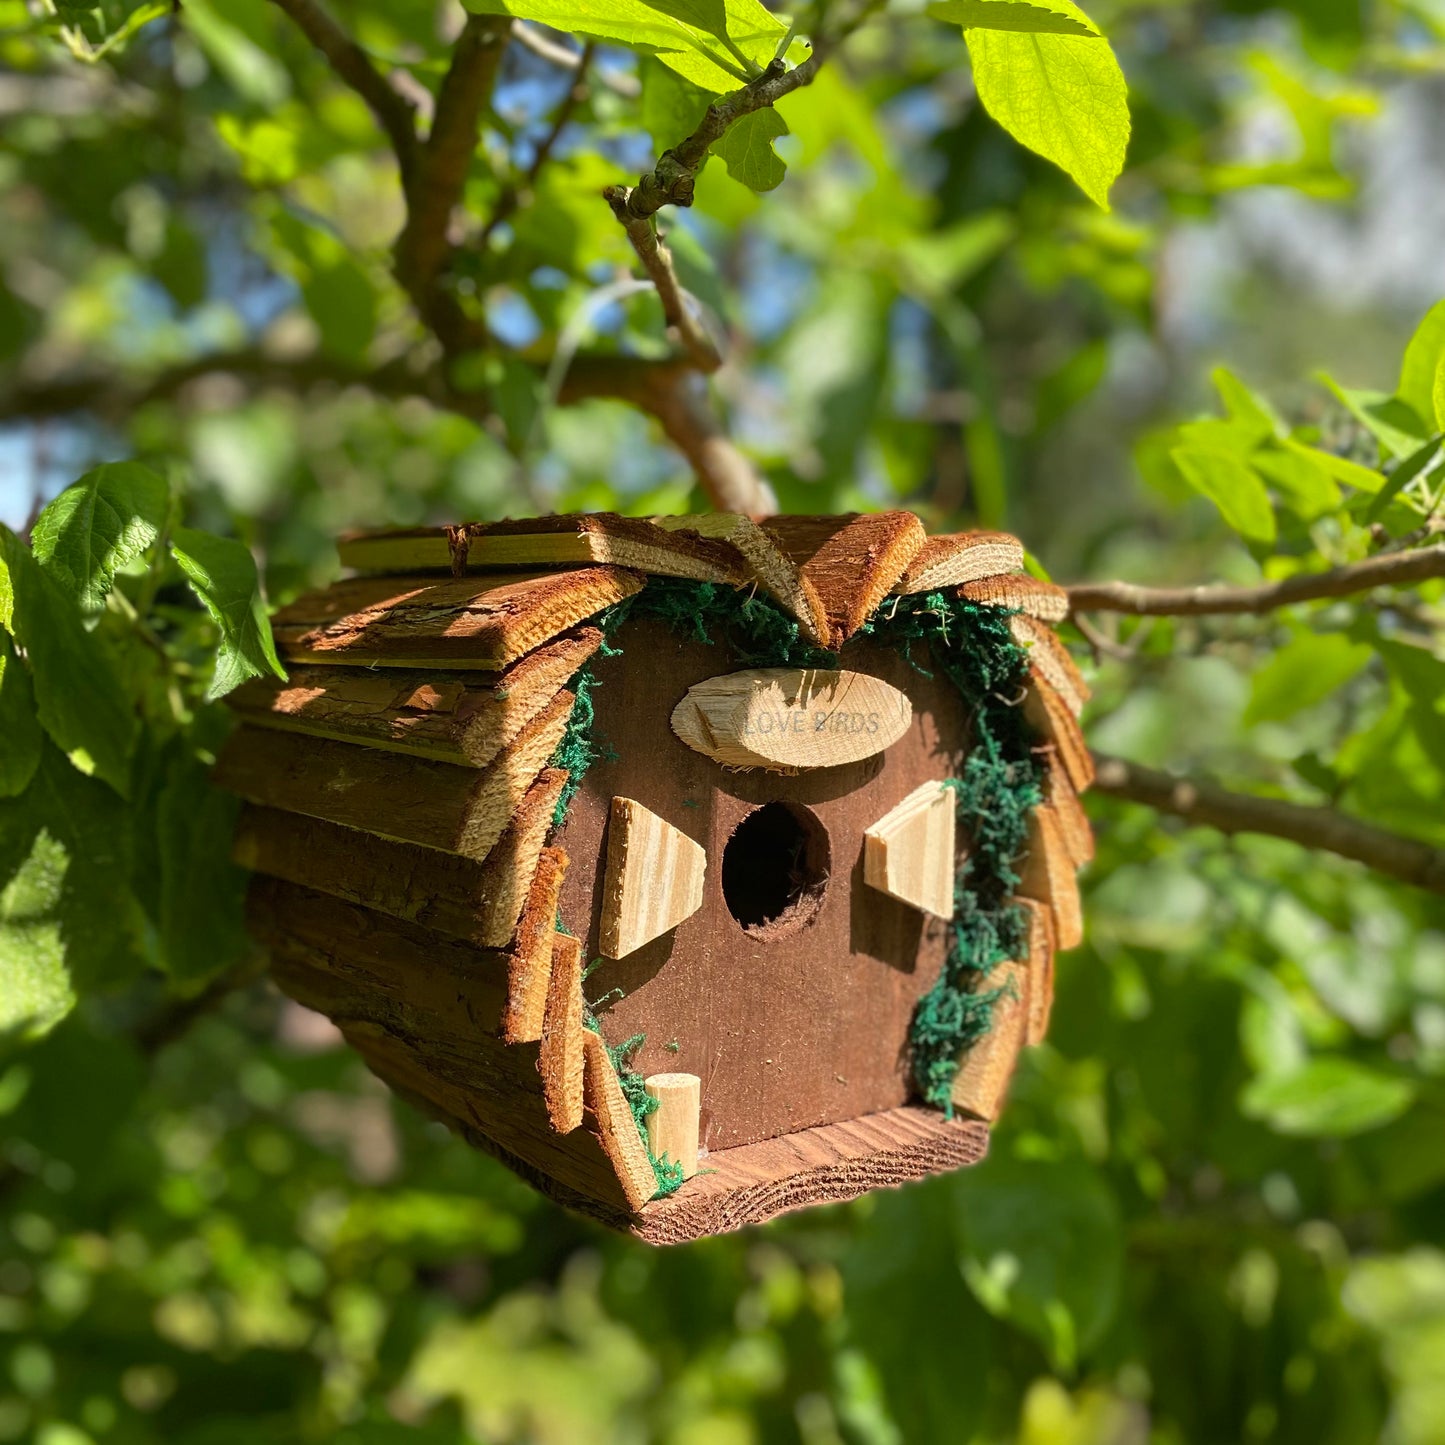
<point x="453" y="717"/>
<point x="425" y="1013"/>
<point x="1054" y="721"/>
<point x="1050" y="658"/>
<point x="479" y="902"/>
<point x="600" y="537"/>
<point x="1041" y="970"/>
<point x="482" y="622"/>
<point x="983" y="1075"/>
<point x="1019" y="593"/>
<point x="614" y="1124"/>
<point x="1047" y="875"/>
<point x="454" y="809"/>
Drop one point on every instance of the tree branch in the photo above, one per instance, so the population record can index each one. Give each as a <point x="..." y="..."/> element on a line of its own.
<point x="530" y="38"/>
<point x="351" y="63"/>
<point x="425" y="243"/>
<point x="1321" y="829"/>
<point x="1396" y="569"/>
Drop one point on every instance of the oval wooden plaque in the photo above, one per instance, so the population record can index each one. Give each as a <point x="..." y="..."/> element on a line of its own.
<point x="790" y="719"/>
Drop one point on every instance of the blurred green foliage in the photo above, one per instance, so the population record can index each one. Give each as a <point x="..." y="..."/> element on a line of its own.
<point x="1215" y="1209"/>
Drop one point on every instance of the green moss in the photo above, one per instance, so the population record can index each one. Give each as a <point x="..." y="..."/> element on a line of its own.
<point x="972" y="646"/>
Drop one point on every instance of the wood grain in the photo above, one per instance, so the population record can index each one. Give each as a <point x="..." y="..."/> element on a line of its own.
<point x="613" y="1123"/>
<point x="1047" y="876"/>
<point x="530" y="970"/>
<point x="960" y="557"/>
<point x="768" y="1020"/>
<point x="910" y="852"/>
<point x="484" y="622"/>
<point x="1050" y="658"/>
<point x="1019" y="593"/>
<point x="438" y="805"/>
<point x="1052" y="718"/>
<point x="425" y="1013"/>
<point x="791" y="719"/>
<point x="451" y="717"/>
<point x="982" y="1081"/>
<point x="461" y="897"/>
<point x="654" y="879"/>
<point x="560" y="1058"/>
<point x="1073" y="821"/>
<point x="672" y="1128"/>
<point x="757" y="1182"/>
<point x="599" y="537"/>
<point x="1041" y="970"/>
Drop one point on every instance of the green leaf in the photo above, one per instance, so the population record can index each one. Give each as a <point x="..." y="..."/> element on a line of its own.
<point x="105" y="521"/>
<point x="1400" y="477"/>
<point x="1303" y="672"/>
<point x="1233" y="486"/>
<point x="343" y="302"/>
<point x="222" y="573"/>
<point x="1342" y="469"/>
<point x="1034" y="17"/>
<point x="1246" y="408"/>
<point x="19" y="726"/>
<point x="1437" y="394"/>
<point x="1309" y="489"/>
<point x="1063" y="96"/>
<point x="1329" y="1097"/>
<point x="712" y="54"/>
<point x="746" y="149"/>
<point x="78" y="692"/>
<point x="1420" y="368"/>
<point x="1042" y="1245"/>
<point x="1394" y="423"/>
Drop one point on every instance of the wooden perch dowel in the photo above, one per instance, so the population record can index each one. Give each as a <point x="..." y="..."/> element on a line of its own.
<point x="672" y="1128"/>
<point x="483" y="622"/>
<point x="909" y="852"/>
<point x="439" y="805"/>
<point x="452" y="717"/>
<point x="654" y="879"/>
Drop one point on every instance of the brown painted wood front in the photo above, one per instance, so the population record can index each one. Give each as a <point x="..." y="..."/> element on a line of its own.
<point x="788" y="1030"/>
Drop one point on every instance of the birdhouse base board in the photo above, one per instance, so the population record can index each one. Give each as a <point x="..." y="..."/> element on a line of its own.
<point x="753" y="1183"/>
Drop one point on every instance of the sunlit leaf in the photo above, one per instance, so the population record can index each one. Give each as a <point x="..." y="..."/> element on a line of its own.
<point x="1034" y="17"/>
<point x="103" y="522"/>
<point x="222" y="573"/>
<point x="1305" y="671"/>
<point x="1063" y="96"/>
<point x="1233" y="486"/>
<point x="1420" y="369"/>
<point x="747" y="150"/>
<point x="1329" y="1097"/>
<point x="19" y="725"/>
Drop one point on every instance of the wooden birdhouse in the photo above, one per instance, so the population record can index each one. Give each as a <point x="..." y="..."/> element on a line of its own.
<point x="698" y="869"/>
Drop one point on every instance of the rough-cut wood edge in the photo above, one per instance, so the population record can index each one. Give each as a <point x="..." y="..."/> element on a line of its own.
<point x="600" y="537"/>
<point x="1041" y="969"/>
<point x="754" y="1183"/>
<point x="1069" y="812"/>
<point x="614" y="1125"/>
<point x="560" y="1061"/>
<point x="858" y="566"/>
<point x="1048" y="876"/>
<point x="635" y="875"/>
<point x="477" y="902"/>
<point x="502" y="704"/>
<point x="766" y="562"/>
<point x="1019" y="593"/>
<point x="981" y="1084"/>
<point x="481" y="622"/>
<point x="1050" y="658"/>
<point x="960" y="557"/>
<point x="1054" y="721"/>
<point x="530" y="970"/>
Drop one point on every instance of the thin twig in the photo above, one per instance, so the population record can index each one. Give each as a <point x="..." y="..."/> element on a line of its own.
<point x="1322" y="829"/>
<point x="1396" y="569"/>
<point x="530" y="38"/>
<point x="520" y="193"/>
<point x="351" y="63"/>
